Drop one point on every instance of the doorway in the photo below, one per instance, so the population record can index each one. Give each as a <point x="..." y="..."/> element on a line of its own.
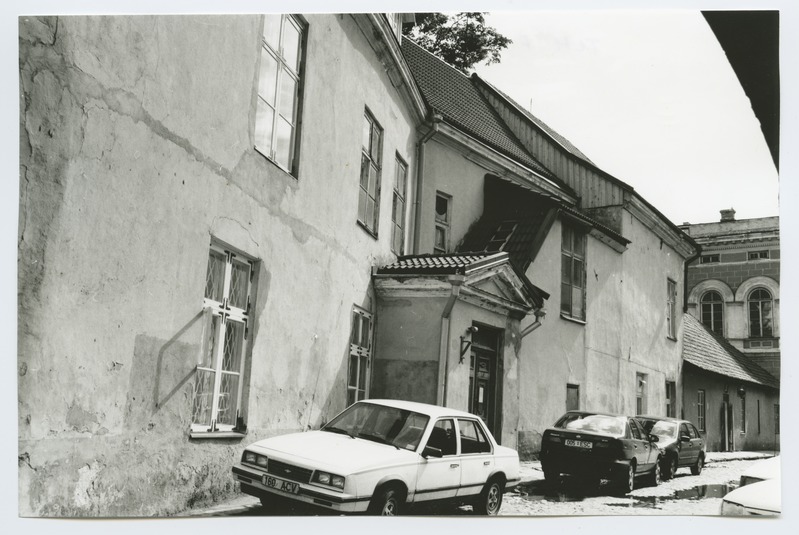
<point x="485" y="396"/>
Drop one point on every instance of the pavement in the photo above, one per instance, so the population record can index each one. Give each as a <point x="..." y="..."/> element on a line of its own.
<point x="528" y="470"/>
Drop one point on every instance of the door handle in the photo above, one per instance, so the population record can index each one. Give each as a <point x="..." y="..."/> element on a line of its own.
<point x="486" y="463"/>
<point x="454" y="465"/>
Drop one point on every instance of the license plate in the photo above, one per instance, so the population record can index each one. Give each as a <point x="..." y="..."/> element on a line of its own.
<point x="579" y="443"/>
<point x="280" y="484"/>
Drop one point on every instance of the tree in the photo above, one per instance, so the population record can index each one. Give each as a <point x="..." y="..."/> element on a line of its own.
<point x="461" y="39"/>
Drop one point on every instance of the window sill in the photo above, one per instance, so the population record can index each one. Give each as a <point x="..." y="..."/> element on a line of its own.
<point x="274" y="163"/>
<point x="367" y="229"/>
<point x="204" y="435"/>
<point x="571" y="319"/>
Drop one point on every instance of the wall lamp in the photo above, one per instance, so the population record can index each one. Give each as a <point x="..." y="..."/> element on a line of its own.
<point x="466" y="344"/>
<point x="742" y="392"/>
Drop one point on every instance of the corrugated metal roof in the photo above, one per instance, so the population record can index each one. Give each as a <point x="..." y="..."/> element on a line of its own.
<point x="709" y="351"/>
<point x="453" y="94"/>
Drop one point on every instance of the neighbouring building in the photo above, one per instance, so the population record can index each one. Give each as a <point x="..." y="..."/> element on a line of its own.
<point x="223" y="238"/>
<point x="734" y="292"/>
<point x="734" y="402"/>
<point x="734" y="286"/>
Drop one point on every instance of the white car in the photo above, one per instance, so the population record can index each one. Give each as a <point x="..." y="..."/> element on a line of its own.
<point x="758" y="493"/>
<point x="378" y="456"/>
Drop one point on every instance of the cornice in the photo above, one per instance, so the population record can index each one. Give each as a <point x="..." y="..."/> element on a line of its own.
<point x="678" y="242"/>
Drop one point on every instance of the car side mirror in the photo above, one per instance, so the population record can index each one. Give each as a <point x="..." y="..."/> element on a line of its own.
<point x="654" y="438"/>
<point x="430" y="451"/>
<point x="685" y="438"/>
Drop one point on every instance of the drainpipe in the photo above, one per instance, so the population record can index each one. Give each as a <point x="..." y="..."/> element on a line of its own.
<point x="417" y="204"/>
<point x="443" y="349"/>
<point x="540" y="314"/>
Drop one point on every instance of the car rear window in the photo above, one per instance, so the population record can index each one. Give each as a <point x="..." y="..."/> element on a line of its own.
<point x="601" y="424"/>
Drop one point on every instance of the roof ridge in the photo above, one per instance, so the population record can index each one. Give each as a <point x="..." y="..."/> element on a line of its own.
<point x="423" y="49"/>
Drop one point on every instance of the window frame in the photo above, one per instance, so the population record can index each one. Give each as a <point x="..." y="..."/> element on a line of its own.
<point x="743" y="414"/>
<point x="671" y="399"/>
<point x="754" y="256"/>
<point x="671" y="308"/>
<point x="572" y="253"/>
<point x="443" y="224"/>
<point x="400" y="194"/>
<point x="282" y="69"/>
<point x="360" y="354"/>
<point x="372" y="158"/>
<point x="759" y="303"/>
<point x="217" y="315"/>
<point x="713" y="312"/>
<point x="480" y="431"/>
<point x="714" y="258"/>
<point x="640" y="393"/>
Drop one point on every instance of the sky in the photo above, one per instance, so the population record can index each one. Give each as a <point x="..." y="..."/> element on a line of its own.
<point x="650" y="98"/>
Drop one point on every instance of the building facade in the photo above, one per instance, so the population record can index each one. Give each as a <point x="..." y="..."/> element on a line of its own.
<point x="222" y="238"/>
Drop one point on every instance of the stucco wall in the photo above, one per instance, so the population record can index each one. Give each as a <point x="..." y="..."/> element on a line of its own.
<point x="136" y="150"/>
<point x="762" y="438"/>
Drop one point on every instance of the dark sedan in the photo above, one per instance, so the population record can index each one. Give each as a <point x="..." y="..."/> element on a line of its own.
<point x="600" y="446"/>
<point x="679" y="441"/>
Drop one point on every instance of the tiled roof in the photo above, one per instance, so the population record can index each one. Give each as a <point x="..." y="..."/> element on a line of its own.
<point x="565" y="143"/>
<point x="712" y="353"/>
<point x="433" y="264"/>
<point x="453" y="94"/>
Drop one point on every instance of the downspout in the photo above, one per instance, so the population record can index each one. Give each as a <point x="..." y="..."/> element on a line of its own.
<point x="417" y="201"/>
<point x="540" y="314"/>
<point x="443" y="348"/>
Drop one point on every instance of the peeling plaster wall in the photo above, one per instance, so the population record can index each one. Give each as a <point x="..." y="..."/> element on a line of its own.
<point x="136" y="149"/>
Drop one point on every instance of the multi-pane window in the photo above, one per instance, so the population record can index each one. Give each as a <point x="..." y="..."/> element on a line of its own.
<point x="218" y="387"/>
<point x="398" y="207"/>
<point x="443" y="219"/>
<point x="572" y="397"/>
<point x="671" y="399"/>
<point x="640" y="393"/>
<point x="671" y="308"/>
<point x="360" y="355"/>
<point x="758" y="255"/>
<point x="279" y="81"/>
<point x="701" y="409"/>
<point x="501" y="236"/>
<point x="371" y="159"/>
<point x="709" y="259"/>
<point x="572" y="286"/>
<point x="713" y="312"/>
<point x="760" y="313"/>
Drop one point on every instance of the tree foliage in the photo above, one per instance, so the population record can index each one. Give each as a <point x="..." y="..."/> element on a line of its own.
<point x="460" y="39"/>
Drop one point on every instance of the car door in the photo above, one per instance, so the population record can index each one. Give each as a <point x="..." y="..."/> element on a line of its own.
<point x="476" y="455"/>
<point x="439" y="477"/>
<point x="687" y="451"/>
<point x="641" y="446"/>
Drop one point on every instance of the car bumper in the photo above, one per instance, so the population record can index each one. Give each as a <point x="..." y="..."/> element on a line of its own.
<point x="251" y="481"/>
<point x="607" y="468"/>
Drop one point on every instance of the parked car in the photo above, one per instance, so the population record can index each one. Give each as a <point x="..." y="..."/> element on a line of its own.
<point x="680" y="444"/>
<point x="600" y="446"/>
<point x="759" y="491"/>
<point x="758" y="499"/>
<point x="378" y="456"/>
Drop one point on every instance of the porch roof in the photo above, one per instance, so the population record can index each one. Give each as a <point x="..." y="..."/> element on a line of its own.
<point x="711" y="352"/>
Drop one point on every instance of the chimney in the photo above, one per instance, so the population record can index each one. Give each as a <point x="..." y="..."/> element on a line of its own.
<point x="727" y="215"/>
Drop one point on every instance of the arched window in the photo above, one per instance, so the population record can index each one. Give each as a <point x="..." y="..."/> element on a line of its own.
<point x="713" y="312"/>
<point x="760" y="313"/>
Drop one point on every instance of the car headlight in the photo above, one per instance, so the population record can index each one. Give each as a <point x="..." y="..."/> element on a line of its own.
<point x="331" y="480"/>
<point x="262" y="461"/>
<point x="732" y="509"/>
<point x="248" y="457"/>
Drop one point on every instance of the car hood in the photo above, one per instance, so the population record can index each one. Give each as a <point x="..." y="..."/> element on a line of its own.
<point x="765" y="469"/>
<point x="764" y="495"/>
<point x="337" y="453"/>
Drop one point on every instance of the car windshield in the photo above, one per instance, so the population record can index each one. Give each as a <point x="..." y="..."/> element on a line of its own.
<point x="593" y="423"/>
<point x="664" y="429"/>
<point x="378" y="423"/>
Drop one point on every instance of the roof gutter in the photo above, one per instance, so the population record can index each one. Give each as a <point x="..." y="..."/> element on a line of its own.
<point x="417" y="198"/>
<point x="443" y="349"/>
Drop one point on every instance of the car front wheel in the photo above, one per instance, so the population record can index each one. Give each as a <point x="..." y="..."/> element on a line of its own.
<point x="654" y="478"/>
<point x="490" y="500"/>
<point x="387" y="502"/>
<point x="670" y="468"/>
<point x="697" y="468"/>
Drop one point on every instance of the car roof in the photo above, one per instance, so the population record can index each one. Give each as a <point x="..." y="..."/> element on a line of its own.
<point x="664" y="418"/>
<point x="434" y="411"/>
<point x="594" y="413"/>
